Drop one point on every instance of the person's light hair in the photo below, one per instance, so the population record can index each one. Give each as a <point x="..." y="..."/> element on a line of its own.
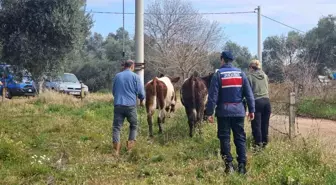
<point x="255" y="63"/>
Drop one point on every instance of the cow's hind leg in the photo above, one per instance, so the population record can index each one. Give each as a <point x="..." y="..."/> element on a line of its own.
<point x="200" y="117"/>
<point x="173" y="103"/>
<point x="168" y="110"/>
<point x="191" y="127"/>
<point x="161" y="119"/>
<point x="150" y="123"/>
<point x="199" y="127"/>
<point x="192" y="117"/>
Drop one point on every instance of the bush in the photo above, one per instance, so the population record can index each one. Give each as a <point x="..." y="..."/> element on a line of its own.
<point x="97" y="75"/>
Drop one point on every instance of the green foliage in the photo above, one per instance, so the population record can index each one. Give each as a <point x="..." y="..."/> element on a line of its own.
<point x="315" y="47"/>
<point x="241" y="53"/>
<point x="280" y="51"/>
<point x="320" y="43"/>
<point x="94" y="47"/>
<point x="317" y="109"/>
<point x="242" y="56"/>
<point x="97" y="75"/>
<point x="100" y="59"/>
<point x="214" y="59"/>
<point x="38" y="35"/>
<point x="114" y="46"/>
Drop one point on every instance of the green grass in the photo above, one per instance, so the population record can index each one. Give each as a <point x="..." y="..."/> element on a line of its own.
<point x="34" y="135"/>
<point x="317" y="109"/>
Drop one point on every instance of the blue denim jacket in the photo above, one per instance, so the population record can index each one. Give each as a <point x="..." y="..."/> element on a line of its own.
<point x="126" y="88"/>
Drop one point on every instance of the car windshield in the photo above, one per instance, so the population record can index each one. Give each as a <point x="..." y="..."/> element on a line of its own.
<point x="69" y="78"/>
<point x="27" y="78"/>
<point x="3" y="70"/>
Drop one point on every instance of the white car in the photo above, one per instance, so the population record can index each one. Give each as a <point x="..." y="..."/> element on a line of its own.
<point x="67" y="83"/>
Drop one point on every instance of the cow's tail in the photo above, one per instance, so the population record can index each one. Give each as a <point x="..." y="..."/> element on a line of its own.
<point x="154" y="85"/>
<point x="155" y="93"/>
<point x="193" y="97"/>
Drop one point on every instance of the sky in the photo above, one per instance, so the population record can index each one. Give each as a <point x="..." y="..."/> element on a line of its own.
<point x="239" y="28"/>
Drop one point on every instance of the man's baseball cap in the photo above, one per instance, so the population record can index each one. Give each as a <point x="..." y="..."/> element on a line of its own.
<point x="227" y="55"/>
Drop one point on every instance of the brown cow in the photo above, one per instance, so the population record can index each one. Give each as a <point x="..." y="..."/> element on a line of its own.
<point x="194" y="96"/>
<point x="160" y="94"/>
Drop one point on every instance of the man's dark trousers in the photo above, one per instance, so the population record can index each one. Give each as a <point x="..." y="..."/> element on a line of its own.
<point x="120" y="113"/>
<point x="236" y="124"/>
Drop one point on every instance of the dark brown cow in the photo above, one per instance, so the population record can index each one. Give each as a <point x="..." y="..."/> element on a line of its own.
<point x="194" y="96"/>
<point x="160" y="94"/>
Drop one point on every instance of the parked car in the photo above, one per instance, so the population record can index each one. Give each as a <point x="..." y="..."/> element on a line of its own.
<point x="17" y="84"/>
<point x="67" y="83"/>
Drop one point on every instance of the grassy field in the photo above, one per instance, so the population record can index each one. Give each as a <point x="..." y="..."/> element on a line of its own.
<point x="35" y="134"/>
<point x="317" y="109"/>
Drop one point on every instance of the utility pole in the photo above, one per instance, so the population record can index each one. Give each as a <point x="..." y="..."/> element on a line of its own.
<point x="139" y="38"/>
<point x="123" y="47"/>
<point x="85" y="5"/>
<point x="259" y="36"/>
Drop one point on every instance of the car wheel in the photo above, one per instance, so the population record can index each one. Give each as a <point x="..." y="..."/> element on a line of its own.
<point x="8" y="95"/>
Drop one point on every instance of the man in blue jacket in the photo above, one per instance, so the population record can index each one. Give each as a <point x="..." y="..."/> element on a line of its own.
<point x="126" y="88"/>
<point x="229" y="86"/>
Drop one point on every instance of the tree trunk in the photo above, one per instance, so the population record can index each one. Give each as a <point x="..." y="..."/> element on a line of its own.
<point x="40" y="85"/>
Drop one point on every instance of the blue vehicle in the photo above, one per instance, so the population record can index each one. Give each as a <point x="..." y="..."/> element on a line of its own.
<point x="332" y="76"/>
<point x="17" y="85"/>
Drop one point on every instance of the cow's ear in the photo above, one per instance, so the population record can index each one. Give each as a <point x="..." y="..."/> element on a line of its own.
<point x="175" y="80"/>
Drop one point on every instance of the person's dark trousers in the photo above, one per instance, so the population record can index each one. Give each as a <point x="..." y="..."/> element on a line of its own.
<point x="236" y="124"/>
<point x="120" y="113"/>
<point x="260" y="124"/>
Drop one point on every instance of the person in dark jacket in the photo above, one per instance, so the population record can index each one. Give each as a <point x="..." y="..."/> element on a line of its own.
<point x="229" y="86"/>
<point x="259" y="83"/>
<point x="126" y="88"/>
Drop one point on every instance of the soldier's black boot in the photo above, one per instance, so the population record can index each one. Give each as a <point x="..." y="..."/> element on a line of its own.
<point x="242" y="168"/>
<point x="229" y="169"/>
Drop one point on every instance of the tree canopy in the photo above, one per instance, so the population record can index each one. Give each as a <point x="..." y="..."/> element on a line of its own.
<point x="316" y="48"/>
<point x="39" y="35"/>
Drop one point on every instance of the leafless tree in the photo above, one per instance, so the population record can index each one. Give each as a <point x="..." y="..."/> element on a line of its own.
<point x="178" y="38"/>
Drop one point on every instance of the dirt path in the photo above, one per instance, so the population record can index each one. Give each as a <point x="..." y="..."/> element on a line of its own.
<point x="306" y="126"/>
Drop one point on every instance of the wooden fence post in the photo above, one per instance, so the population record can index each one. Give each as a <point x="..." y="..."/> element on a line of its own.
<point x="292" y="115"/>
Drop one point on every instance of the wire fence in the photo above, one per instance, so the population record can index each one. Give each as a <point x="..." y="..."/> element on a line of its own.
<point x="310" y="112"/>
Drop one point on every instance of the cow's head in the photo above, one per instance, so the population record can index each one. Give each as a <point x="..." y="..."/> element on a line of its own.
<point x="174" y="79"/>
<point x="207" y="79"/>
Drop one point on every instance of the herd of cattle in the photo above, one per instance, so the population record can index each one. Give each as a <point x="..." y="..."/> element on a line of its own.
<point x="161" y="95"/>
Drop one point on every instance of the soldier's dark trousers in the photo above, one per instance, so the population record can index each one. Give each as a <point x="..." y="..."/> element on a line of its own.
<point x="260" y="124"/>
<point x="236" y="124"/>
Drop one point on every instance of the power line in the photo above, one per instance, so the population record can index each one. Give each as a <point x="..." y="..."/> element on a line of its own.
<point x="283" y="24"/>
<point x="203" y="13"/>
